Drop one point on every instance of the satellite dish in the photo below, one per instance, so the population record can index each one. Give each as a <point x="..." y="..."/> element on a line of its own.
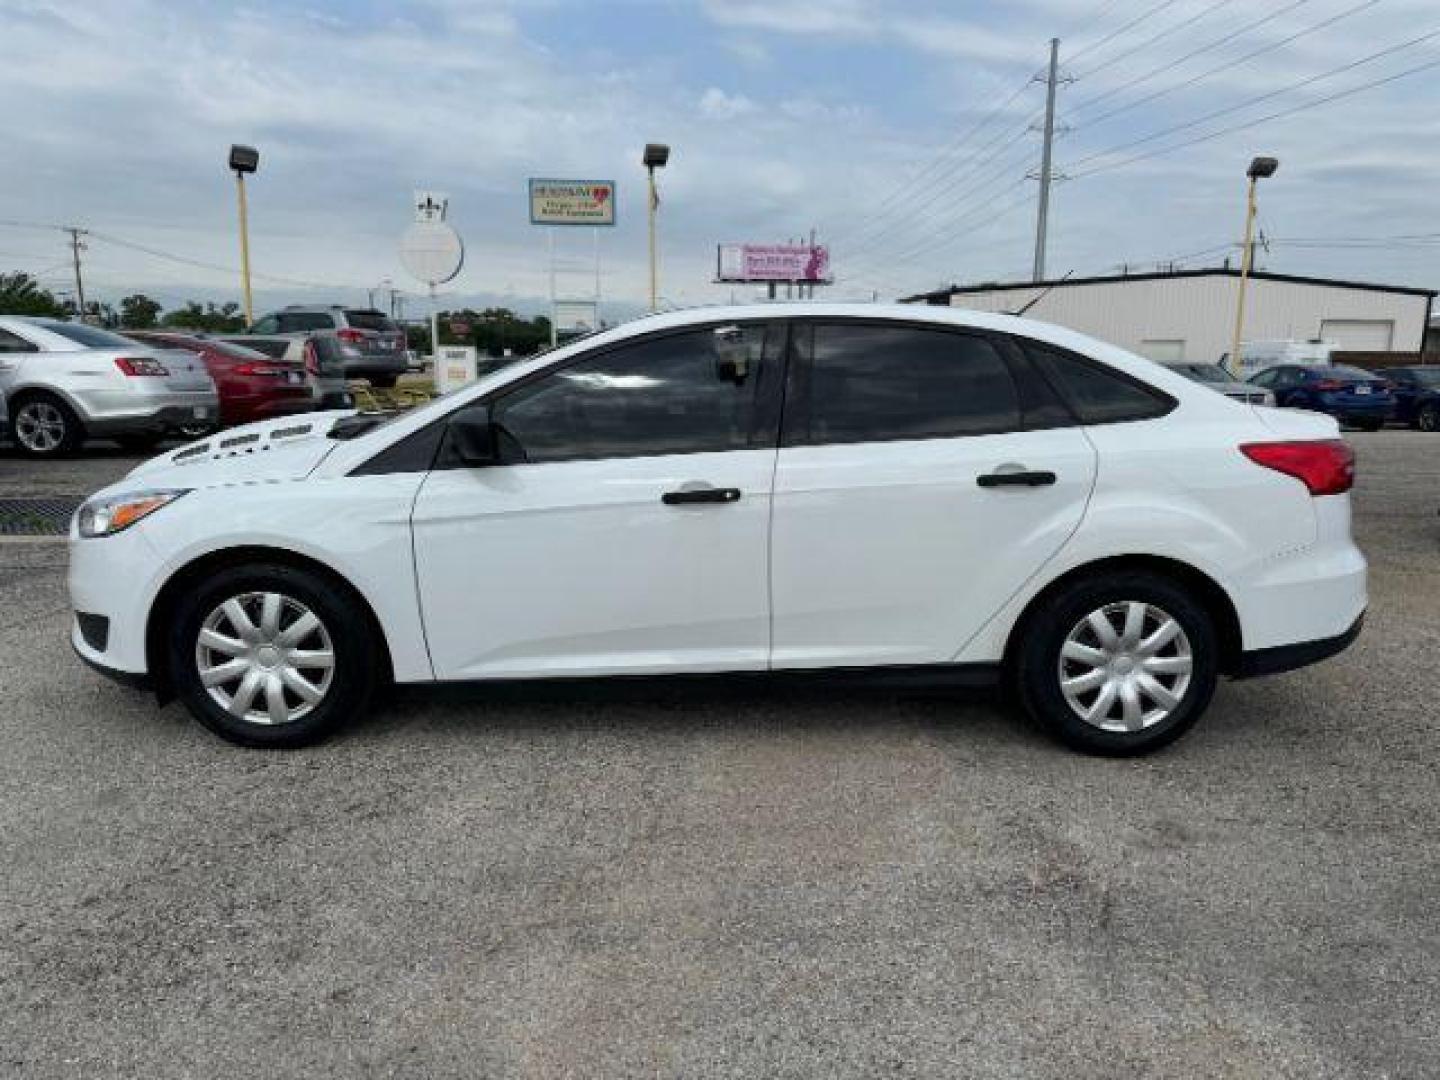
<point x="432" y="252"/>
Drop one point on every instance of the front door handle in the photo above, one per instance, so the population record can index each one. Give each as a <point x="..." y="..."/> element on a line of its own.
<point x="686" y="496"/>
<point x="1018" y="478"/>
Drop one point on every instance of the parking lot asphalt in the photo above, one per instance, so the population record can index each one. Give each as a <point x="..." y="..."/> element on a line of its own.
<point x="680" y="883"/>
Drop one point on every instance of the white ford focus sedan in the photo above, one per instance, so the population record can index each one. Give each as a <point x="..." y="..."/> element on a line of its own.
<point x="914" y="494"/>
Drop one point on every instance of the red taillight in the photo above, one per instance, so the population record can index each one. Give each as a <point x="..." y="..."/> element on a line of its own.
<point x="351" y="336"/>
<point x="140" y="365"/>
<point x="1326" y="467"/>
<point x="1325" y="386"/>
<point x="312" y="359"/>
<point x="258" y="369"/>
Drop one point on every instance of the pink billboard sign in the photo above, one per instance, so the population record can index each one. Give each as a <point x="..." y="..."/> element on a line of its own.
<point x="773" y="262"/>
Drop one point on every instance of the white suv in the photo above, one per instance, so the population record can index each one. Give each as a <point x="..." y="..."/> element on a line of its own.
<point x="888" y="493"/>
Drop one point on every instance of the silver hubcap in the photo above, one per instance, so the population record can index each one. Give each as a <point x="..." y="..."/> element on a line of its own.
<point x="1429" y="419"/>
<point x="265" y="658"/>
<point x="1125" y="667"/>
<point x="39" y="426"/>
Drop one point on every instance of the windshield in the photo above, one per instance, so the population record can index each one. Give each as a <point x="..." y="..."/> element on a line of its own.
<point x="88" y="336"/>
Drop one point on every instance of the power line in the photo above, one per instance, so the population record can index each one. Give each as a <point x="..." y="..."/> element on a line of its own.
<point x="1262" y="119"/>
<point x="1154" y="10"/>
<point x="1256" y="100"/>
<point x="1181" y="25"/>
<point x="1166" y="91"/>
<point x="1085" y="103"/>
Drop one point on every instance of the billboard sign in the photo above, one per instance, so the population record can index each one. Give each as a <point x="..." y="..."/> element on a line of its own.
<point x="773" y="262"/>
<point x="572" y="202"/>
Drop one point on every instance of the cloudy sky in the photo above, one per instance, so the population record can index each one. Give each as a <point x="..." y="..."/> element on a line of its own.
<point x="898" y="129"/>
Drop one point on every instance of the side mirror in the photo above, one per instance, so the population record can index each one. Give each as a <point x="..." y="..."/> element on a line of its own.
<point x="473" y="437"/>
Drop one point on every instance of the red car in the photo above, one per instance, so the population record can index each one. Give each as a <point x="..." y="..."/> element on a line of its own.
<point x="252" y="386"/>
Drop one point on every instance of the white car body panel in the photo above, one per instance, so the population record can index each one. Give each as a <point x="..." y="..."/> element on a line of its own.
<point x="835" y="556"/>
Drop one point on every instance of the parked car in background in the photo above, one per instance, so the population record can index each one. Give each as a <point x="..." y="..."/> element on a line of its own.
<point x="1218" y="379"/>
<point x="64" y="381"/>
<point x="372" y="343"/>
<point x="1417" y="395"/>
<point x="252" y="386"/>
<point x="320" y="357"/>
<point x="899" y="492"/>
<point x="1256" y="356"/>
<point x="1352" y="395"/>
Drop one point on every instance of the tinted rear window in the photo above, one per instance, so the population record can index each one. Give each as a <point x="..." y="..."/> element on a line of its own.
<point x="294" y="322"/>
<point x="272" y="349"/>
<point x="1340" y="371"/>
<point x="873" y="383"/>
<point x="368" y="320"/>
<point x="1098" y="394"/>
<point x="88" y="336"/>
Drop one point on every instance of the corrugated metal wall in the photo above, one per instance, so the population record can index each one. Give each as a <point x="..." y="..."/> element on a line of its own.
<point x="1149" y="315"/>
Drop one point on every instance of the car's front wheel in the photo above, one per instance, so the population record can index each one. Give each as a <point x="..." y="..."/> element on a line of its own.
<point x="1118" y="664"/>
<point x="272" y="655"/>
<point x="44" y="426"/>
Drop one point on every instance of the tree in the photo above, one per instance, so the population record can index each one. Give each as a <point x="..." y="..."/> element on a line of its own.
<point x="222" y="319"/>
<point x="139" y="312"/>
<point x="21" y="294"/>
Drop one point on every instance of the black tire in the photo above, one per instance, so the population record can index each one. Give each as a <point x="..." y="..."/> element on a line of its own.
<point x="382" y="382"/>
<point x="344" y="619"/>
<point x="1037" y="670"/>
<point x="45" y="410"/>
<point x="1428" y="418"/>
<point x="1369" y="425"/>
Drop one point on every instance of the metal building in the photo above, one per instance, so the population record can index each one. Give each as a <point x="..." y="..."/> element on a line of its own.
<point x="1190" y="314"/>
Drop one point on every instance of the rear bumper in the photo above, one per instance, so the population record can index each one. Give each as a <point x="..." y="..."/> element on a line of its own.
<point x="1272" y="661"/>
<point x="360" y="366"/>
<point x="157" y="414"/>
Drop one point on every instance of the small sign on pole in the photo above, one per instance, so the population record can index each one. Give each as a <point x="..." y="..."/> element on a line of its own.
<point x="431" y="206"/>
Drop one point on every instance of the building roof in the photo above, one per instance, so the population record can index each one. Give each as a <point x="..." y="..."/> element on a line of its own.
<point x="1115" y="279"/>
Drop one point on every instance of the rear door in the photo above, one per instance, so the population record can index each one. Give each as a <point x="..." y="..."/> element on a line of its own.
<point x="925" y="473"/>
<point x="627" y="530"/>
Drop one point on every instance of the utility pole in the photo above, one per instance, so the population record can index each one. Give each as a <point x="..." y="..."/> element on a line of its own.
<point x="75" y="248"/>
<point x="1042" y="220"/>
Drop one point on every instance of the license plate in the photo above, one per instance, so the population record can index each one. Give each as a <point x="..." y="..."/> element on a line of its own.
<point x="1362" y="390"/>
<point x="199" y="412"/>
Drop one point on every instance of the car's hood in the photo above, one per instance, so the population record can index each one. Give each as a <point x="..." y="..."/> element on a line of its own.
<point x="288" y="448"/>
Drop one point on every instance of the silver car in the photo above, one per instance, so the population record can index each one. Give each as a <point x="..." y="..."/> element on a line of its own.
<point x="1217" y="378"/>
<point x="64" y="382"/>
<point x="371" y="343"/>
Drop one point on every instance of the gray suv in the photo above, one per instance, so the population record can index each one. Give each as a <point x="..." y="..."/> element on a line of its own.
<point x="372" y="343"/>
<point x="63" y="381"/>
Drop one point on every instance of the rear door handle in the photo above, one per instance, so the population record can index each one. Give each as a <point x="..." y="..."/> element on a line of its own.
<point x="686" y="496"/>
<point x="1019" y="478"/>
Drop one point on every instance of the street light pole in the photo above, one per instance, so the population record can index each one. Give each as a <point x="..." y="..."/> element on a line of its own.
<point x="1260" y="168"/>
<point x="656" y="155"/>
<point x="244" y="159"/>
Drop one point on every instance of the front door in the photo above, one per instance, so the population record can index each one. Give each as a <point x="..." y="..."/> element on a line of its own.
<point x="627" y="530"/>
<point x="925" y="476"/>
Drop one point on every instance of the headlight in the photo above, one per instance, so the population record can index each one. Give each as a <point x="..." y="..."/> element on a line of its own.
<point x="106" y="517"/>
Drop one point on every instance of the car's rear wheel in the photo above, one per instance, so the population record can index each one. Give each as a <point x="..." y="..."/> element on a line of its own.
<point x="272" y="656"/>
<point x="44" y="426"/>
<point x="1118" y="664"/>
<point x="1428" y="418"/>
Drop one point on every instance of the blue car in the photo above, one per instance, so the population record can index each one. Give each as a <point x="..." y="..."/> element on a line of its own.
<point x="1351" y="395"/>
<point x="1417" y="395"/>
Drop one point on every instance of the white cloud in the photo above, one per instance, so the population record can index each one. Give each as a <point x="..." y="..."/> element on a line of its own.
<point x="718" y="105"/>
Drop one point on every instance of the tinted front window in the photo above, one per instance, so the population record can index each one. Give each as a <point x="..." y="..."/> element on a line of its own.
<point x="704" y="390"/>
<point x="88" y="336"/>
<point x="1099" y="394"/>
<point x="368" y="320"/>
<point x="872" y="383"/>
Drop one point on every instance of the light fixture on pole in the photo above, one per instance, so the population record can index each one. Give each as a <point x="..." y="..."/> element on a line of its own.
<point x="1260" y="168"/>
<point x="656" y="156"/>
<point x="244" y="159"/>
